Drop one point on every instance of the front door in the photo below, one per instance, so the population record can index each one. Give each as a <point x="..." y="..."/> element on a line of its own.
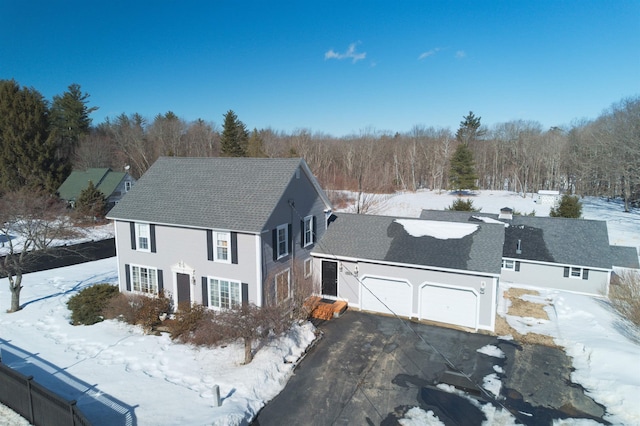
<point x="183" y="288"/>
<point x="329" y="278"/>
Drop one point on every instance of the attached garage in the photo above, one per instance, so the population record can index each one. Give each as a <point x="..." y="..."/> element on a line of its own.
<point x="449" y="305"/>
<point x="378" y="292"/>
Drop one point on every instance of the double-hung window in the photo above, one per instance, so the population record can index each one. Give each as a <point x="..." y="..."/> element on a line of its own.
<point x="282" y="240"/>
<point x="575" y="272"/>
<point x="224" y="294"/>
<point x="127" y="186"/>
<point x="143" y="237"/>
<point x="508" y="264"/>
<point x="307" y="231"/>
<point x="144" y="279"/>
<point x="282" y="282"/>
<point x="222" y="246"/>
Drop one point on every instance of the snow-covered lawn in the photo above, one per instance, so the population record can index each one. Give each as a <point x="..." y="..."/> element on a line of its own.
<point x="114" y="365"/>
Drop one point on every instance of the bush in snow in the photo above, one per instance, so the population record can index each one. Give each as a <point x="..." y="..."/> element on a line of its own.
<point x="138" y="309"/>
<point x="87" y="307"/>
<point x="624" y="294"/>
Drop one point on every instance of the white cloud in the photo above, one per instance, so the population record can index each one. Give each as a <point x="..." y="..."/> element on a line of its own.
<point x="428" y="53"/>
<point x="350" y="53"/>
<point x="461" y="54"/>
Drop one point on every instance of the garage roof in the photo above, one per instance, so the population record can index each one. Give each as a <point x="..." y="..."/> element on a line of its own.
<point x="389" y="239"/>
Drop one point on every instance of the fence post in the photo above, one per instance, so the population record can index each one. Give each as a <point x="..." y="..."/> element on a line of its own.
<point x="72" y="409"/>
<point x="32" y="419"/>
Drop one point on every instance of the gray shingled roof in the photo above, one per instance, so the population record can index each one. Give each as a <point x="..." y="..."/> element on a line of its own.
<point x="225" y="193"/>
<point x="625" y="257"/>
<point x="381" y="238"/>
<point x="565" y="241"/>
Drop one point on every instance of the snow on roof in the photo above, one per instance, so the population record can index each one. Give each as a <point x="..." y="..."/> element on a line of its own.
<point x="437" y="229"/>
<point x="490" y="220"/>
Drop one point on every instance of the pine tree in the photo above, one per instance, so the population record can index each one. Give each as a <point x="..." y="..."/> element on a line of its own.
<point x="256" y="145"/>
<point x="570" y="206"/>
<point x="235" y="138"/>
<point x="91" y="202"/>
<point x="27" y="148"/>
<point x="462" y="174"/>
<point x="70" y="119"/>
<point x="469" y="129"/>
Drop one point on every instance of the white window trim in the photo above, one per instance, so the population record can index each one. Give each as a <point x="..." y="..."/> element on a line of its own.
<point x="231" y="283"/>
<point x="279" y="274"/>
<point x="127" y="185"/>
<point x="150" y="270"/>
<point x="580" y="272"/>
<point x="284" y="227"/>
<point x="308" y="267"/>
<point x="507" y="267"/>
<point x="139" y="227"/>
<point x="308" y="220"/>
<point x="215" y="247"/>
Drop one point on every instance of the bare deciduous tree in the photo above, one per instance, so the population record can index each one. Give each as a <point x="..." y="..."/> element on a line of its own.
<point x="30" y="224"/>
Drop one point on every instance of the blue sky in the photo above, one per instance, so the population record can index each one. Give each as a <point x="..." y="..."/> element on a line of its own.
<point x="337" y="67"/>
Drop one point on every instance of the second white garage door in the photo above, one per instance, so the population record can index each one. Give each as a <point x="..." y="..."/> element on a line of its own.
<point x="449" y="305"/>
<point x="396" y="295"/>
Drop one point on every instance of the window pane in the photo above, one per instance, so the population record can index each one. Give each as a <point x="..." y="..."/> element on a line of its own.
<point x="576" y="272"/>
<point x="222" y="245"/>
<point x="282" y="241"/>
<point x="214" y="292"/>
<point x="235" y="294"/>
<point x="224" y="294"/>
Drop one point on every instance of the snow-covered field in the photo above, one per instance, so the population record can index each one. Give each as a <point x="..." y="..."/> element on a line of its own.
<point x="112" y="369"/>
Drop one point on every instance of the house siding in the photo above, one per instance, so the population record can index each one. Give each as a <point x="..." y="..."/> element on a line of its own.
<point x="552" y="276"/>
<point x="184" y="250"/>
<point x="349" y="286"/>
<point x="119" y="192"/>
<point x="306" y="202"/>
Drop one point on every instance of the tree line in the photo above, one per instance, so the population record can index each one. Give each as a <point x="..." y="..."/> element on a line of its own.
<point x="40" y="142"/>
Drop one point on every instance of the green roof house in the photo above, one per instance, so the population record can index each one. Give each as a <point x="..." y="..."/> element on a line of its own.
<point x="112" y="184"/>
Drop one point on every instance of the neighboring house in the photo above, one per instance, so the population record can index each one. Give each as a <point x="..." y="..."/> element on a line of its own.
<point x="219" y="231"/>
<point x="112" y="184"/>
<point x="445" y="272"/>
<point x="550" y="198"/>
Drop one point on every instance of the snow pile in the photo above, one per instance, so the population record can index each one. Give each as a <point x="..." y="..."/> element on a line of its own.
<point x="418" y="417"/>
<point x="491" y="350"/>
<point x="437" y="229"/>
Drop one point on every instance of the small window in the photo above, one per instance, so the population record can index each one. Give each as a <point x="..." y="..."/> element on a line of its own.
<point x="308" y="231"/>
<point x="576" y="272"/>
<point x="308" y="267"/>
<point x="508" y="264"/>
<point x="142" y="237"/>
<point x="223" y="294"/>
<point x="127" y="185"/>
<point x="144" y="280"/>
<point x="282" y="241"/>
<point x="282" y="282"/>
<point x="222" y="245"/>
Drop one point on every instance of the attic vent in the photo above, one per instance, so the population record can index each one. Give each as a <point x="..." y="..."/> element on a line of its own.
<point x="519" y="247"/>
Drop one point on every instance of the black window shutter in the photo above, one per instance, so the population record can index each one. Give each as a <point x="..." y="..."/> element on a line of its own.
<point x="517" y="266"/>
<point x="152" y="235"/>
<point x="274" y="238"/>
<point x="209" y="244"/>
<point x="160" y="281"/>
<point x="290" y="242"/>
<point x="205" y="292"/>
<point x="234" y="248"/>
<point x="132" y="229"/>
<point x="245" y="294"/>
<point x="585" y="274"/>
<point x="127" y="274"/>
<point x="313" y="229"/>
<point x="302" y="233"/>
<point x="566" y="271"/>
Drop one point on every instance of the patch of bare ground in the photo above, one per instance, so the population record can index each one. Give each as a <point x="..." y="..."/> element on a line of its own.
<point x="523" y="308"/>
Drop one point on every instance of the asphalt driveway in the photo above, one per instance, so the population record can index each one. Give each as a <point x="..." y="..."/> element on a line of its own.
<point x="369" y="370"/>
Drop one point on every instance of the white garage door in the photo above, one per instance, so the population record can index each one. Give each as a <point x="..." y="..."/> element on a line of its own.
<point x="449" y="305"/>
<point x="395" y="294"/>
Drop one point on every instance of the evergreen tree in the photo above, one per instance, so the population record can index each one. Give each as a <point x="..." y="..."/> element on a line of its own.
<point x="235" y="138"/>
<point x="461" y="205"/>
<point x="256" y="145"/>
<point x="570" y="206"/>
<point x="70" y="119"/>
<point x="91" y="202"/>
<point x="27" y="149"/>
<point x="469" y="129"/>
<point x="462" y="174"/>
